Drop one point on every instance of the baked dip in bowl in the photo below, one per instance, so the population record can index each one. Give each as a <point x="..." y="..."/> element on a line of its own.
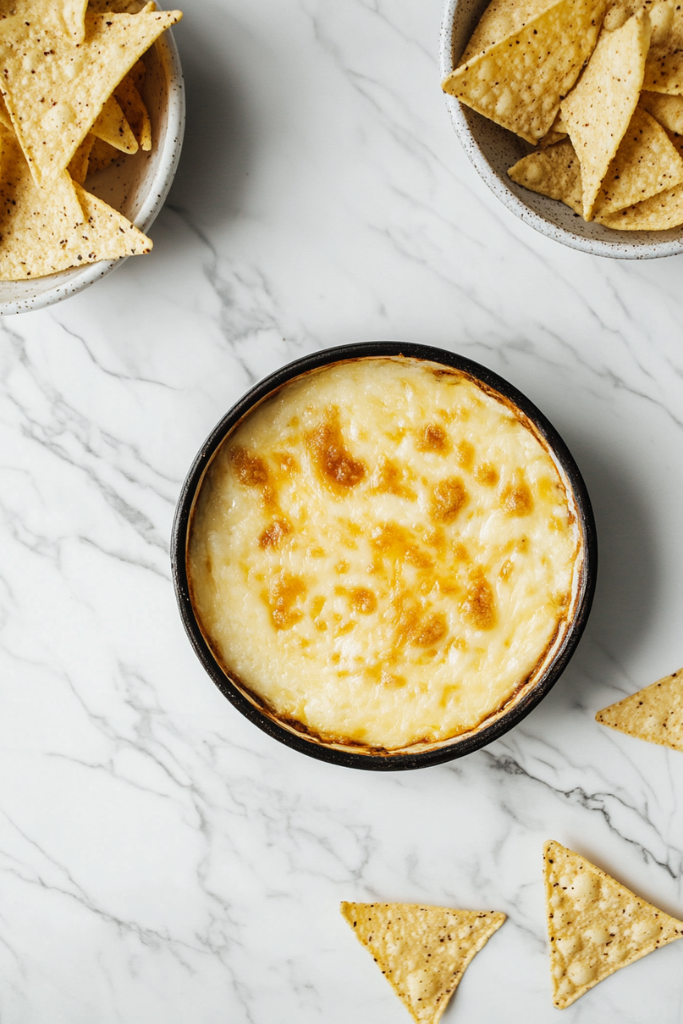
<point x="384" y="555"/>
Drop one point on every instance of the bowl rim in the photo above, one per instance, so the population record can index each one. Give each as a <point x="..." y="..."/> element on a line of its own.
<point x="156" y="195"/>
<point x="469" y="742"/>
<point x="594" y="246"/>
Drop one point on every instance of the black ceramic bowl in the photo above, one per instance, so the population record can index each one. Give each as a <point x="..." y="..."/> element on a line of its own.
<point x="287" y="733"/>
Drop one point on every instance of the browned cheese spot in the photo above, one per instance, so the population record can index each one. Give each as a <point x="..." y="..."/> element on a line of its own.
<point x="448" y="498"/>
<point x="464" y="455"/>
<point x="364" y="601"/>
<point x="431" y="631"/>
<point x="273" y="534"/>
<point x="335" y="463"/>
<point x="486" y="474"/>
<point x="250" y="470"/>
<point x="479" y="604"/>
<point x="379" y="673"/>
<point x="517" y="500"/>
<point x="397" y="545"/>
<point x="284" y="591"/>
<point x="433" y="438"/>
<point x="391" y="480"/>
<point x="286" y="463"/>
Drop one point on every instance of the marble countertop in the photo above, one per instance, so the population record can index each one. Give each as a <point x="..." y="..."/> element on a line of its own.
<point x="163" y="861"/>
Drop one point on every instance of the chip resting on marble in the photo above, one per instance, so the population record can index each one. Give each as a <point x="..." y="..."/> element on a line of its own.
<point x="654" y="714"/>
<point x="422" y="951"/>
<point x="596" y="926"/>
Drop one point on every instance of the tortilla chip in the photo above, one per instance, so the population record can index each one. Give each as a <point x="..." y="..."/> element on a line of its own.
<point x="74" y="18"/>
<point x="45" y="230"/>
<point x="596" y="926"/>
<point x="111" y="126"/>
<point x="423" y="952"/>
<point x="554" y="172"/>
<point x="519" y="82"/>
<point x="135" y="112"/>
<point x="646" y="163"/>
<point x="137" y="74"/>
<point x="668" y="110"/>
<point x="502" y="18"/>
<point x="654" y="714"/>
<point x="101" y="156"/>
<point x="661" y="17"/>
<point x="599" y="110"/>
<point x="5" y="119"/>
<point x="118" y="6"/>
<point x="78" y="168"/>
<point x="664" y="66"/>
<point x="659" y="213"/>
<point x="55" y="91"/>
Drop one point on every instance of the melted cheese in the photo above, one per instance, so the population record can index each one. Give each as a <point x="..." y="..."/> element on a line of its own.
<point x="384" y="553"/>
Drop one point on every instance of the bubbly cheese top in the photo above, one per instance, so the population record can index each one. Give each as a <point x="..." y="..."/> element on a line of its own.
<point x="384" y="553"/>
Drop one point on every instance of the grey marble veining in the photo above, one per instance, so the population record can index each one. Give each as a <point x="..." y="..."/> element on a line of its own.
<point x="160" y="859"/>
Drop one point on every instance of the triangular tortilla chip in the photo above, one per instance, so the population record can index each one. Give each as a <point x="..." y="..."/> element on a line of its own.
<point x="654" y="714"/>
<point x="112" y="126"/>
<point x="502" y="18"/>
<point x="44" y="230"/>
<point x="664" y="65"/>
<point x="595" y="925"/>
<point x="78" y="168"/>
<point x="74" y="18"/>
<point x="661" y="17"/>
<point x="422" y="951"/>
<point x="599" y="110"/>
<point x="135" y="112"/>
<point x="554" y="172"/>
<point x="668" y="110"/>
<point x="646" y="163"/>
<point x="659" y="213"/>
<point x="519" y="82"/>
<point x="101" y="156"/>
<point x="55" y="91"/>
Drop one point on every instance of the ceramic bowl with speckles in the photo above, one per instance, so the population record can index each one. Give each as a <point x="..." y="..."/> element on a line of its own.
<point x="135" y="185"/>
<point x="493" y="150"/>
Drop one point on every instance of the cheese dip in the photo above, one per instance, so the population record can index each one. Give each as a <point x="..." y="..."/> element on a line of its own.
<point x="383" y="553"/>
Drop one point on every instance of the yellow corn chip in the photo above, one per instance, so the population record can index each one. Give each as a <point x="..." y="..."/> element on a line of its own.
<point x="646" y="163"/>
<point x="5" y="119"/>
<point x="595" y="925"/>
<point x="659" y="213"/>
<point x="423" y="952"/>
<point x="44" y="230"/>
<point x="137" y="74"/>
<point x="554" y="172"/>
<point x="502" y="18"/>
<point x="101" y="156"/>
<point x="74" y="17"/>
<point x="111" y="126"/>
<point x="664" y="66"/>
<point x="668" y="110"/>
<point x="519" y="82"/>
<point x="654" y="714"/>
<point x="119" y="6"/>
<point x="55" y="91"/>
<point x="70" y="12"/>
<point x="135" y="112"/>
<point x="599" y="110"/>
<point x="661" y="14"/>
<point x="78" y="168"/>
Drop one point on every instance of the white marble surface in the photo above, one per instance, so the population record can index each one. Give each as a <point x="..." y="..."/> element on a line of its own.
<point x="161" y="860"/>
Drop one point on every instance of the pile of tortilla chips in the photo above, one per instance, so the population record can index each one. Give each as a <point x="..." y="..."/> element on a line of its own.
<point x="69" y="104"/>
<point x="597" y="87"/>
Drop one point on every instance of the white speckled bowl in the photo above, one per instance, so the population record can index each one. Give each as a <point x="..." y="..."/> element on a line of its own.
<point x="493" y="150"/>
<point x="135" y="185"/>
